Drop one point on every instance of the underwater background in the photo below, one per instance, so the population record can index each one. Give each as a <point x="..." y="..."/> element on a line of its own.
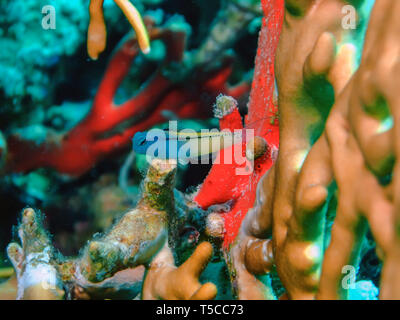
<point x="51" y="93"/>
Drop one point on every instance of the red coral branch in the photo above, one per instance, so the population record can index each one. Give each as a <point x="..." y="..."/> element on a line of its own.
<point x="223" y="184"/>
<point x="108" y="127"/>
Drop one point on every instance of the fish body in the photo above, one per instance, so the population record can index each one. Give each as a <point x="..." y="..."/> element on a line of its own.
<point x="173" y="144"/>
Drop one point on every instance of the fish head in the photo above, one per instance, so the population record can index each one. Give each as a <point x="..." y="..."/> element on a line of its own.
<point x="140" y="143"/>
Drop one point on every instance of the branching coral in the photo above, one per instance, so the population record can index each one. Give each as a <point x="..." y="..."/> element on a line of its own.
<point x="355" y="152"/>
<point x="238" y="189"/>
<point x="96" y="39"/>
<point x="160" y="282"/>
<point x="108" y="127"/>
<point x="302" y="111"/>
<point x="112" y="265"/>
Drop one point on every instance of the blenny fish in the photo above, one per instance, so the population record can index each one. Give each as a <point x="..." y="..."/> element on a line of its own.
<point x="172" y="144"/>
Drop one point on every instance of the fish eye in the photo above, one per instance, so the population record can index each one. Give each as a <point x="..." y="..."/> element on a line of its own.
<point x="142" y="142"/>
